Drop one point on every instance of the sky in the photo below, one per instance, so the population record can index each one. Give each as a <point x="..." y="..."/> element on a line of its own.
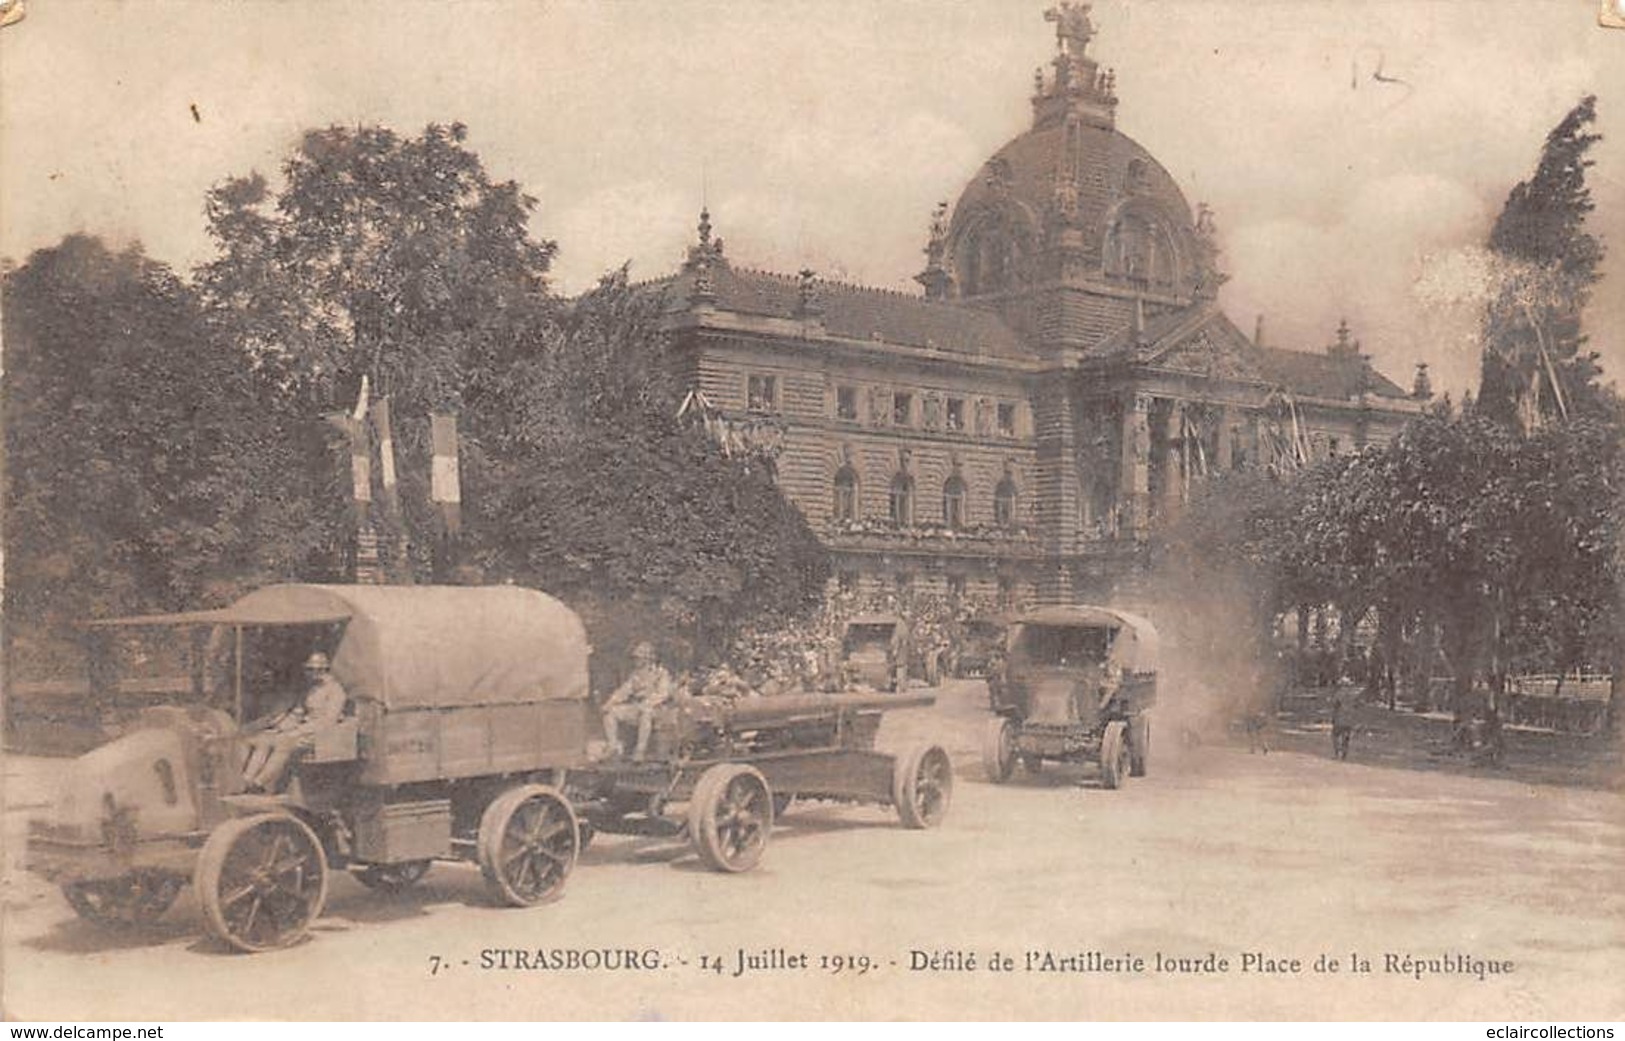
<point x="821" y="133"/>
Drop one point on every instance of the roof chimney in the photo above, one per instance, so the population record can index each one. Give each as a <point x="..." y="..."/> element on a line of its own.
<point x="1258" y="331"/>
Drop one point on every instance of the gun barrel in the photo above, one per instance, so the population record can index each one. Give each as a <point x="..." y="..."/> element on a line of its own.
<point x="812" y="706"/>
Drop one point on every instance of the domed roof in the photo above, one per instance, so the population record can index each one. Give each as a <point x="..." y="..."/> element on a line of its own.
<point x="1072" y="199"/>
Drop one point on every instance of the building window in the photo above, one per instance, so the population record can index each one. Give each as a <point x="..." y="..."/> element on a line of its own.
<point x="953" y="503"/>
<point x="1007" y="420"/>
<point x="905" y="584"/>
<point x="1007" y="594"/>
<point x="956" y="414"/>
<point x="762" y="394"/>
<point x="846" y="494"/>
<point x="847" y="581"/>
<point x="846" y="403"/>
<point x="902" y="409"/>
<point x="1332" y="446"/>
<point x="956" y="589"/>
<point x="1004" y="504"/>
<point x="902" y="501"/>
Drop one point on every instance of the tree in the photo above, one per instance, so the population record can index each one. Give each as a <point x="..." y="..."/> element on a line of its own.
<point x="394" y="258"/>
<point x="596" y="489"/>
<point x="1534" y="366"/>
<point x="124" y="443"/>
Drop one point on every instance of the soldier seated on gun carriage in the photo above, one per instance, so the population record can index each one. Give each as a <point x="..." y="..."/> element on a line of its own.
<point x="634" y="702"/>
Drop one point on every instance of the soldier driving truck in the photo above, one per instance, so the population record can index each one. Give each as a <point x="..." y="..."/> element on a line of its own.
<point x="285" y="734"/>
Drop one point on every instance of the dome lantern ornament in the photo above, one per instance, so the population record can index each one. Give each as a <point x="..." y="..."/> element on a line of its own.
<point x="1078" y="86"/>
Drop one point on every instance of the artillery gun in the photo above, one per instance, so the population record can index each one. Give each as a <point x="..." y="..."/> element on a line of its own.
<point x="734" y="765"/>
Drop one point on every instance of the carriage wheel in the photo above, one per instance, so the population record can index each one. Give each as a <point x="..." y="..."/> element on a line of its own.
<point x="393" y="878"/>
<point x="261" y="880"/>
<point x="1114" y="755"/>
<point x="1139" y="746"/>
<point x="922" y="786"/>
<point x="730" y="816"/>
<point x="138" y="898"/>
<point x="528" y="841"/>
<point x="999" y="749"/>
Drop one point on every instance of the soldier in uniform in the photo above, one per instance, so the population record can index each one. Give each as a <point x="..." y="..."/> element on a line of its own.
<point x="286" y="733"/>
<point x="634" y="701"/>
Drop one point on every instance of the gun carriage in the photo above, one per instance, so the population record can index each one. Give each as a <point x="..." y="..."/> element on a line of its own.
<point x="1076" y="686"/>
<point x="734" y="765"/>
<point x="467" y="707"/>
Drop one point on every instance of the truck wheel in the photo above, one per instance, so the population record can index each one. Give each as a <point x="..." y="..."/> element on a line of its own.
<point x="393" y="878"/>
<point x="1139" y="746"/>
<point x="922" y="786"/>
<point x="1114" y="761"/>
<point x="729" y="817"/>
<point x="261" y="880"/>
<point x="999" y="749"/>
<point x="528" y="841"/>
<point x="138" y="898"/>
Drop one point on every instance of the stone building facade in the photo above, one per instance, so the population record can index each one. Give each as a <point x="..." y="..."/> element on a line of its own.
<point x="1013" y="435"/>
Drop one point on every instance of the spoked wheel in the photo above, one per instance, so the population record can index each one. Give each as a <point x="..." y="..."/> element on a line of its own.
<point x="1139" y="746"/>
<point x="922" y="786"/>
<point x="730" y="816"/>
<point x="393" y="878"/>
<point x="528" y="842"/>
<point x="262" y="880"/>
<point x="1114" y="755"/>
<point x="999" y="749"/>
<point x="138" y="898"/>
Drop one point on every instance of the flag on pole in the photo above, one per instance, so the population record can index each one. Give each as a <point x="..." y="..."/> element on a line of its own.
<point x="445" y="481"/>
<point x="360" y="464"/>
<point x="386" y="458"/>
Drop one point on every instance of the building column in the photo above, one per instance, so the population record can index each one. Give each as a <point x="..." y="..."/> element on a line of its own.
<point x="1134" y="485"/>
<point x="1173" y="464"/>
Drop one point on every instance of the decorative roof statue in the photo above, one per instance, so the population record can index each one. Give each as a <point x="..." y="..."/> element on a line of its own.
<point x="1422" y="387"/>
<point x="1208" y="276"/>
<point x="1073" y="29"/>
<point x="807" y="303"/>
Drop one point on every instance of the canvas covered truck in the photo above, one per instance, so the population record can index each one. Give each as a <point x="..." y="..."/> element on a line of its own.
<point x="874" y="651"/>
<point x="465" y="708"/>
<point x="1077" y="685"/>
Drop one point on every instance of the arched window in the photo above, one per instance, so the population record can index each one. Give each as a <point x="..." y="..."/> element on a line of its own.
<point x="953" y="503"/>
<point x="1139" y="248"/>
<point x="902" y="501"/>
<point x="846" y="494"/>
<point x="1004" y="504"/>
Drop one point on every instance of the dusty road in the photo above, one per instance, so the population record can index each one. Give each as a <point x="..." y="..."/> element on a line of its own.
<point x="1272" y="859"/>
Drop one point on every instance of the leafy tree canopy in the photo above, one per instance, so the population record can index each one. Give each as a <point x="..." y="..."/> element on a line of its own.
<point x="124" y="487"/>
